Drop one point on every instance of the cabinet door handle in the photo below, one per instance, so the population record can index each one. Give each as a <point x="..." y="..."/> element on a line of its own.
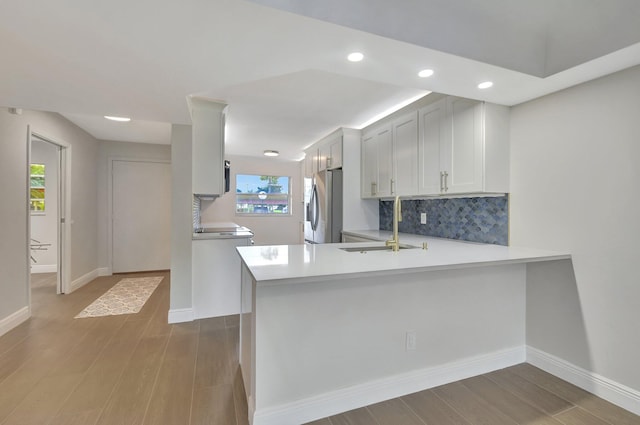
<point x="392" y="187"/>
<point x="328" y="162"/>
<point x="441" y="181"/>
<point x="446" y="186"/>
<point x="373" y="188"/>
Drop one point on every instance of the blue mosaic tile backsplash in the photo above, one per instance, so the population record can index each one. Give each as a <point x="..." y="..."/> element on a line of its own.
<point x="483" y="220"/>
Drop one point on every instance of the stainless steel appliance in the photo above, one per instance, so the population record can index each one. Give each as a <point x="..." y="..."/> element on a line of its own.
<point x="323" y="212"/>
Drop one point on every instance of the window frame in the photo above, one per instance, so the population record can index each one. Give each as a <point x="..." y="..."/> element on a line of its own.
<point x="289" y="197"/>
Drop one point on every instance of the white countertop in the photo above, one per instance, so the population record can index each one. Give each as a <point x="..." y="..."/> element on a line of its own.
<point x="286" y="264"/>
<point x="223" y="230"/>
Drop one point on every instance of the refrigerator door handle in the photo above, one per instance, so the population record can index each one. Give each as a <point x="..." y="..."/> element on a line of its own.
<point x="314" y="208"/>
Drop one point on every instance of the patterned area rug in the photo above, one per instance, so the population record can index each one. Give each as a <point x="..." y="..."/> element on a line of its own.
<point x="125" y="297"/>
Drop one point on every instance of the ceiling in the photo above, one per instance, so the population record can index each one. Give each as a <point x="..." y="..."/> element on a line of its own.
<point x="280" y="64"/>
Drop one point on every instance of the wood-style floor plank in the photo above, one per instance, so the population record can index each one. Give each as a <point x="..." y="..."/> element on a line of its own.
<point x="507" y="403"/>
<point x="83" y="355"/>
<point x="578" y="416"/>
<point x="128" y="402"/>
<point x="394" y="412"/>
<point x="171" y="400"/>
<point x="214" y="365"/>
<point x="101" y="378"/>
<point x="80" y="418"/>
<point x="43" y="402"/>
<point x="472" y="408"/>
<point x="539" y="397"/>
<point x="589" y="402"/>
<point x="240" y="398"/>
<point x="213" y="406"/>
<point x="21" y="382"/>
<point x="354" y="417"/>
<point x="432" y="409"/>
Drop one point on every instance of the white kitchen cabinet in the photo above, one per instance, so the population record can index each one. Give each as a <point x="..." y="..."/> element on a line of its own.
<point x="330" y="153"/>
<point x="430" y="138"/>
<point x="463" y="147"/>
<point x="377" y="156"/>
<point x="309" y="157"/>
<point x="405" y="155"/>
<point x="208" y="126"/>
<point x="390" y="158"/>
<point x="216" y="276"/>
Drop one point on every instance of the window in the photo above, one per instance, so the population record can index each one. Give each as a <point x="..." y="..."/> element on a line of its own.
<point x="36" y="187"/>
<point x="262" y="195"/>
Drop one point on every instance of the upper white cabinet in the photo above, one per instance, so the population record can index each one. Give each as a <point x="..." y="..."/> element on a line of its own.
<point x="463" y="147"/>
<point x="450" y="146"/>
<point x="390" y="158"/>
<point x="208" y="125"/>
<point x="430" y="138"/>
<point x="309" y="158"/>
<point x="405" y="155"/>
<point x="330" y="153"/>
<point x="377" y="155"/>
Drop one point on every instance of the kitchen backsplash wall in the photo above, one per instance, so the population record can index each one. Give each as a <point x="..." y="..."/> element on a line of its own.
<point x="483" y="219"/>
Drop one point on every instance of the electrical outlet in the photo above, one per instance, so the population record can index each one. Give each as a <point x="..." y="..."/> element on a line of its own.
<point x="411" y="340"/>
<point x="423" y="218"/>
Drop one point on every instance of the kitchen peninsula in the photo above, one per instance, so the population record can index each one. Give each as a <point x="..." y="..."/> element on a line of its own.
<point x="325" y="330"/>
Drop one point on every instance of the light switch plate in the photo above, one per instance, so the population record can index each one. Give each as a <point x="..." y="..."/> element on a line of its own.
<point x="423" y="218"/>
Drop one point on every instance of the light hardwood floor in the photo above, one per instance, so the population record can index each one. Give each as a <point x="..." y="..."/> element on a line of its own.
<point x="129" y="369"/>
<point x="137" y="369"/>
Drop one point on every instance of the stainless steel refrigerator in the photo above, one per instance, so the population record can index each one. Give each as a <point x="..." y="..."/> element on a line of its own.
<point x="323" y="207"/>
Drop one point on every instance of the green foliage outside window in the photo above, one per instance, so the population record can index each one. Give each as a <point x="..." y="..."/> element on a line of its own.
<point x="37" y="187"/>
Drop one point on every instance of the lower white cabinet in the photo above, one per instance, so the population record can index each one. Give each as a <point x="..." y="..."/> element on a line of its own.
<point x="216" y="277"/>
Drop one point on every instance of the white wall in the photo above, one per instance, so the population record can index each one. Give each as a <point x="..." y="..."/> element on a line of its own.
<point x="575" y="179"/>
<point x="124" y="150"/>
<point x="270" y="230"/>
<point x="181" y="223"/>
<point x="13" y="208"/>
<point x="44" y="225"/>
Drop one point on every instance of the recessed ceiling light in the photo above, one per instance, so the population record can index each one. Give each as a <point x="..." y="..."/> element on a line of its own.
<point x="485" y="85"/>
<point x="120" y="119"/>
<point x="271" y="153"/>
<point x="355" y="57"/>
<point x="425" y="73"/>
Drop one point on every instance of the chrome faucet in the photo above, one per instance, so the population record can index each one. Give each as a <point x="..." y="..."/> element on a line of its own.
<point x="394" y="243"/>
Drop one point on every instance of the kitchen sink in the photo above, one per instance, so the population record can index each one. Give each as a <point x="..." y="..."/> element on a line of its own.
<point x="364" y="249"/>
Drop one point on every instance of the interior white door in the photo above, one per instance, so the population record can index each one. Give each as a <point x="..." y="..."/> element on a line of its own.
<point x="141" y="216"/>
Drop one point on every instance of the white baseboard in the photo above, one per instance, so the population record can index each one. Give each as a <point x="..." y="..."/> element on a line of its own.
<point x="88" y="277"/>
<point x="342" y="400"/>
<point x="14" y="320"/>
<point x="44" y="268"/>
<point x="179" y="315"/>
<point x="83" y="280"/>
<point x="605" y="388"/>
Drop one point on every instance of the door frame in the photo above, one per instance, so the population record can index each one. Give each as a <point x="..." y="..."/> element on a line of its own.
<point x="111" y="160"/>
<point x="63" y="285"/>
